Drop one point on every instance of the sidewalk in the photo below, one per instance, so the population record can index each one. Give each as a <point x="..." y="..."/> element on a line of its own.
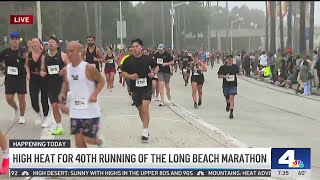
<point x="268" y="81"/>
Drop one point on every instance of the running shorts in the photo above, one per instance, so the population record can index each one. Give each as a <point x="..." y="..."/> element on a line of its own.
<point x="164" y="77"/>
<point x="88" y="127"/>
<point x="140" y="94"/>
<point x="108" y="70"/>
<point x="227" y="91"/>
<point x="199" y="79"/>
<point x="15" y="85"/>
<point x="54" y="91"/>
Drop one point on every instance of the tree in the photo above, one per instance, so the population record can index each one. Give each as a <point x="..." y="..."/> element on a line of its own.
<point x="281" y="28"/>
<point x="311" y="25"/>
<point x="272" y="26"/>
<point x="267" y="28"/>
<point x="289" y="25"/>
<point x="302" y="27"/>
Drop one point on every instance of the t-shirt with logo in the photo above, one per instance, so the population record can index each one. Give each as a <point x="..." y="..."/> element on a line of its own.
<point x="231" y="80"/>
<point x="163" y="58"/>
<point x="141" y="66"/>
<point x="186" y="60"/>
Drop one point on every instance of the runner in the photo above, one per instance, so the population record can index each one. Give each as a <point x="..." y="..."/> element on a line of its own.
<point x="228" y="72"/>
<point x="15" y="75"/>
<point x="130" y="52"/>
<point x="36" y="82"/>
<point x="110" y="68"/>
<point x="121" y="55"/>
<point x="85" y="83"/>
<point x="5" y="154"/>
<point x="93" y="55"/>
<point x="137" y="69"/>
<point x="51" y="64"/>
<point x="212" y="58"/>
<point x="197" y="79"/>
<point x="185" y="65"/>
<point x="164" y="61"/>
<point x="45" y="46"/>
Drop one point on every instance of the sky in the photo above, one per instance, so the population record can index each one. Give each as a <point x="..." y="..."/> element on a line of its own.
<point x="261" y="5"/>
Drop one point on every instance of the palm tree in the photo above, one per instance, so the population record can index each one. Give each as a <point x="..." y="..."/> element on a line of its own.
<point x="302" y="27"/>
<point x="267" y="28"/>
<point x="281" y="28"/>
<point x="289" y="25"/>
<point x="311" y="25"/>
<point x="272" y="26"/>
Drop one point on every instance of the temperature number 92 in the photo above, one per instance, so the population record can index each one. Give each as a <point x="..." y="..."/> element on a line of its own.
<point x="13" y="173"/>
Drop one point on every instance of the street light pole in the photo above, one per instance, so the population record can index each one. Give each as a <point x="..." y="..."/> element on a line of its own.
<point x="240" y="19"/>
<point x="39" y="24"/>
<point x="121" y="37"/>
<point x="172" y="24"/>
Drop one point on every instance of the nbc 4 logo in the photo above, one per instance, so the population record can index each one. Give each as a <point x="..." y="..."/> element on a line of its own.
<point x="288" y="158"/>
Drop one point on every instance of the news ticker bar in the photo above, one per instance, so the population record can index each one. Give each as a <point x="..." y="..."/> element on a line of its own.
<point x="43" y="143"/>
<point x="138" y="173"/>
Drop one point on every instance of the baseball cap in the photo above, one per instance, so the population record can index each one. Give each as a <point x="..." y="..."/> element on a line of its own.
<point x="161" y="47"/>
<point x="44" y="43"/>
<point x="14" y="35"/>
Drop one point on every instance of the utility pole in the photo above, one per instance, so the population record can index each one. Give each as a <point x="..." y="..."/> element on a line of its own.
<point x="87" y="17"/>
<point x="96" y="21"/>
<point x="100" y="27"/>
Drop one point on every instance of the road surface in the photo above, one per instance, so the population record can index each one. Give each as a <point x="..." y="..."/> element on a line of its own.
<point x="264" y="117"/>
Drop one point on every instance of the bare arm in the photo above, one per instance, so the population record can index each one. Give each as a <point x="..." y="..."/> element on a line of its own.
<point x="27" y="67"/>
<point x="43" y="67"/>
<point x="65" y="58"/>
<point x="100" y="58"/>
<point x="95" y="76"/>
<point x="65" y="84"/>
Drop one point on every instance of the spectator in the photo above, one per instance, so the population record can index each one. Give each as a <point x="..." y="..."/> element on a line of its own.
<point x="314" y="62"/>
<point x="305" y="78"/>
<point x="246" y="64"/>
<point x="289" y="81"/>
<point x="238" y="61"/>
<point x="271" y="62"/>
<point x="298" y="64"/>
<point x="283" y="72"/>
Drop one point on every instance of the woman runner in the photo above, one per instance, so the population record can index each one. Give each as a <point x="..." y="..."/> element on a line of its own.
<point x="197" y="79"/>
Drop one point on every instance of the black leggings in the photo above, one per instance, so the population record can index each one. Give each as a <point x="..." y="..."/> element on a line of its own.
<point x="36" y="85"/>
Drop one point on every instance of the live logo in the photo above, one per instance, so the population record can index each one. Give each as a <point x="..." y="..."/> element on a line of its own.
<point x="21" y="19"/>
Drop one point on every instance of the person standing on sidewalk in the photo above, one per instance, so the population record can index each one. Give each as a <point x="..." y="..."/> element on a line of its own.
<point x="85" y="83"/>
<point x="228" y="72"/>
<point x="164" y="61"/>
<point x="15" y="76"/>
<point x="137" y="68"/>
<point x="306" y="78"/>
<point x="5" y="154"/>
<point x="317" y="67"/>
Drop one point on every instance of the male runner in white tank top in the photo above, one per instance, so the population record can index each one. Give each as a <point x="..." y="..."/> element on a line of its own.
<point x="85" y="83"/>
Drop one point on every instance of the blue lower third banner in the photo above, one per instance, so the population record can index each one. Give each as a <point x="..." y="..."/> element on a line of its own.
<point x="140" y="172"/>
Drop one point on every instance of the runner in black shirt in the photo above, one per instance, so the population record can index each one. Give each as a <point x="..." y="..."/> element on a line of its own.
<point x="137" y="68"/>
<point x="185" y="66"/>
<point x="229" y="72"/>
<point x="15" y="75"/>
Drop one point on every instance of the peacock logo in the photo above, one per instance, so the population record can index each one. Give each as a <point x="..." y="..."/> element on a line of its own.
<point x="297" y="164"/>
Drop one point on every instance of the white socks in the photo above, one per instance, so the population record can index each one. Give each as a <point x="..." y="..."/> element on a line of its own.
<point x="5" y="154"/>
<point x="145" y="132"/>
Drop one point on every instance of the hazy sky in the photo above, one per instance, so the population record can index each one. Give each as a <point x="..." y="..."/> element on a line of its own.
<point x="261" y="5"/>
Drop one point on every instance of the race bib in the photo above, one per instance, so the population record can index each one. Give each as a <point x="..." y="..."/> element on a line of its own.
<point x="195" y="73"/>
<point x="230" y="78"/>
<point x="119" y="70"/>
<point x="159" y="61"/>
<point x="80" y="103"/>
<point x="110" y="61"/>
<point x="54" y="69"/>
<point x="184" y="70"/>
<point x="141" y="82"/>
<point x="12" y="70"/>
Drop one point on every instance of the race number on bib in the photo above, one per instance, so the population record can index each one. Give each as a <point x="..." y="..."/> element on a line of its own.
<point x="80" y="103"/>
<point x="184" y="70"/>
<point x="141" y="82"/>
<point x="196" y="73"/>
<point x="159" y="61"/>
<point x="230" y="78"/>
<point x="12" y="70"/>
<point x="110" y="61"/>
<point x="54" y="69"/>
